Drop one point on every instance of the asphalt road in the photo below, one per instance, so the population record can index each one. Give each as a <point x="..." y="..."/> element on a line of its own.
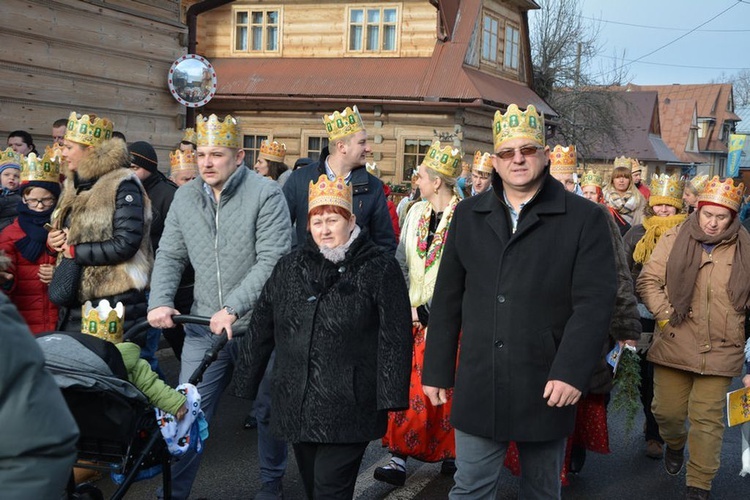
<point x="230" y="469"/>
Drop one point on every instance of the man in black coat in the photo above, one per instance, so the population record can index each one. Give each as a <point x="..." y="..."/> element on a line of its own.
<point x="527" y="281"/>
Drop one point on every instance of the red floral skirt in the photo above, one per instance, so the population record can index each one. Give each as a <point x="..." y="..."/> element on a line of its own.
<point x="590" y="433"/>
<point x="423" y="431"/>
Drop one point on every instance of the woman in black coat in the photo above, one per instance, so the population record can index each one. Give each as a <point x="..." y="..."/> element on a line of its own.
<point x="337" y="313"/>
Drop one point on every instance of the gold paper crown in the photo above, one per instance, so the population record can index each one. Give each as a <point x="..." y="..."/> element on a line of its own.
<point x="635" y="166"/>
<point x="724" y="193"/>
<point x="326" y="192"/>
<point x="446" y="161"/>
<point x="666" y="190"/>
<point x="272" y="151"/>
<point x="373" y="169"/>
<point x="591" y="178"/>
<point x="623" y="161"/>
<point x="699" y="182"/>
<point x="339" y="125"/>
<point x="563" y="160"/>
<point x="10" y="157"/>
<point x="189" y="135"/>
<point x="213" y="132"/>
<point x="103" y="321"/>
<point x="44" y="169"/>
<point x="516" y="124"/>
<point x="483" y="162"/>
<point x="88" y="130"/>
<point x="182" y="160"/>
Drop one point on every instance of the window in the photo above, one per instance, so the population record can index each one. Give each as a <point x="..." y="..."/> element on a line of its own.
<point x="256" y="30"/>
<point x="315" y="146"/>
<point x="251" y="145"/>
<point x="414" y="152"/>
<point x="511" y="47"/>
<point x="373" y="29"/>
<point x="490" y="33"/>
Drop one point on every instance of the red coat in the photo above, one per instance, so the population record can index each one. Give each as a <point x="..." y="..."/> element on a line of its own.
<point x="392" y="212"/>
<point x="27" y="292"/>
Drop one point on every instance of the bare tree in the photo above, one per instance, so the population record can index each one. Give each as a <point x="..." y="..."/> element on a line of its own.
<point x="740" y="85"/>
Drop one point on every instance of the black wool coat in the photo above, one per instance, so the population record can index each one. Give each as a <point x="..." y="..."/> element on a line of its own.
<point x="530" y="306"/>
<point x="343" y="341"/>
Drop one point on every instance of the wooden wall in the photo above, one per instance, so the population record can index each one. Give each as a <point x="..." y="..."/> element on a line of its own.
<point x="108" y="57"/>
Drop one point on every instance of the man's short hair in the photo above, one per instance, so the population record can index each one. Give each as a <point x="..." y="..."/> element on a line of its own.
<point x="62" y="122"/>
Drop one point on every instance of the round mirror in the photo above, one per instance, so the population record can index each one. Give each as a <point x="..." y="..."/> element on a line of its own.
<point x="192" y="80"/>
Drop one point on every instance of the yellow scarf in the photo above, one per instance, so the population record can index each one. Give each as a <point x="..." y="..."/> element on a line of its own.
<point x="655" y="226"/>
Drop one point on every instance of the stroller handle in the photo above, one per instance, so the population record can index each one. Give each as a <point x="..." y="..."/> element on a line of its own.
<point x="142" y="325"/>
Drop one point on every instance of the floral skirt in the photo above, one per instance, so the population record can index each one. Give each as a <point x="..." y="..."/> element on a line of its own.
<point x="423" y="431"/>
<point x="590" y="432"/>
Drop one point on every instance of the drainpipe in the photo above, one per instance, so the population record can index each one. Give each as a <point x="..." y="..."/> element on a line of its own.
<point x="192" y="23"/>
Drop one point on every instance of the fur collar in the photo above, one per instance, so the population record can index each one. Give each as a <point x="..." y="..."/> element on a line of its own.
<point x="104" y="158"/>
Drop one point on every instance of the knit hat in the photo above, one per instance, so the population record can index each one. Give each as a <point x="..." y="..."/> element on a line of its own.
<point x="142" y="155"/>
<point x="9" y="165"/>
<point x="52" y="187"/>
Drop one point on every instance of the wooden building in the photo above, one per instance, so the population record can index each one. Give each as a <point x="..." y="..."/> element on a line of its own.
<point x="110" y="58"/>
<point x="416" y="69"/>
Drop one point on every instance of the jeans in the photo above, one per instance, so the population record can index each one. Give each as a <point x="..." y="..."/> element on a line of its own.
<point x="272" y="452"/>
<point x="148" y="351"/>
<point x="479" y="462"/>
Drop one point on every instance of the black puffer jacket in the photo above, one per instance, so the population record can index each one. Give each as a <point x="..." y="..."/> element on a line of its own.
<point x="8" y="207"/>
<point x="342" y="334"/>
<point x="161" y="192"/>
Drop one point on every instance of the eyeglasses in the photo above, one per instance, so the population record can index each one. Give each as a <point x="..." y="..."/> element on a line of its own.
<point x="507" y="154"/>
<point x="37" y="202"/>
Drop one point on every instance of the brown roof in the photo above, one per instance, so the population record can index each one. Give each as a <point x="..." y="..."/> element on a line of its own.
<point x="680" y="113"/>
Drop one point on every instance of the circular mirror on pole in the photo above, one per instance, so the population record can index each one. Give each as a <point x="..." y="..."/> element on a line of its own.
<point x="192" y="80"/>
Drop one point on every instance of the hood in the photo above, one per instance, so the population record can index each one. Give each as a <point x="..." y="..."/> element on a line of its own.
<point x="104" y="158"/>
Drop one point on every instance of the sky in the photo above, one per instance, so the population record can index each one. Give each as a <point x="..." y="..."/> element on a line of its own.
<point x="640" y="27"/>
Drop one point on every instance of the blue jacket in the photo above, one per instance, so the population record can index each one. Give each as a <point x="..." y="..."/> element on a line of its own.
<point x="369" y="202"/>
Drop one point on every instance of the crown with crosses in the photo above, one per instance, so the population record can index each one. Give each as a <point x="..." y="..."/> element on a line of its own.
<point x="445" y="160"/>
<point x="563" y="160"/>
<point x="44" y="169"/>
<point x="103" y="321"/>
<point x="482" y="162"/>
<point x="213" y="132"/>
<point x="591" y="178"/>
<point x="339" y="125"/>
<point x="723" y="193"/>
<point x="330" y="193"/>
<point x="10" y="157"/>
<point x="272" y="151"/>
<point x="666" y="190"/>
<point x="182" y="160"/>
<point x="88" y="130"/>
<point x="516" y="124"/>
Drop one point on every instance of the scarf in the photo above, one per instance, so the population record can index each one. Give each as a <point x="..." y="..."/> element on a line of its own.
<point x="338" y="254"/>
<point x="625" y="204"/>
<point x="32" y="223"/>
<point x="655" y="227"/>
<point x="684" y="262"/>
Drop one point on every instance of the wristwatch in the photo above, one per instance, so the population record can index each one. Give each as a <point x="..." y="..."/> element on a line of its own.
<point x="231" y="311"/>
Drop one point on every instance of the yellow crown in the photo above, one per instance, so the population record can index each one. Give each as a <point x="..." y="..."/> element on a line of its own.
<point x="623" y="161"/>
<point x="591" y="178"/>
<point x="10" y="157"/>
<point x="563" y="160"/>
<point x="272" y="151"/>
<point x="666" y="190"/>
<point x="446" y="161"/>
<point x="724" y="193"/>
<point x="339" y="125"/>
<point x="699" y="182"/>
<point x="88" y="130"/>
<point x="482" y="162"/>
<point x="190" y="135"/>
<point x="213" y="132"/>
<point x="326" y="192"/>
<point x="103" y="321"/>
<point x="182" y="160"/>
<point x="373" y="169"/>
<point x="516" y="124"/>
<point x="44" y="169"/>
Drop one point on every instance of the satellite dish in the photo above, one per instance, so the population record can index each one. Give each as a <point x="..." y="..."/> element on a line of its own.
<point x="192" y="80"/>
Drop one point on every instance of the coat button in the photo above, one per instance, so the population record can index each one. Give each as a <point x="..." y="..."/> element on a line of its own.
<point x="342" y="269"/>
<point x="499" y="344"/>
<point x="501" y="298"/>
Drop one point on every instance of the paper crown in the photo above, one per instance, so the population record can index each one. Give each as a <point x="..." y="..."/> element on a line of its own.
<point x="189" y="135"/>
<point x="182" y="160"/>
<point x="635" y="166"/>
<point x="592" y="178"/>
<point x="103" y="321"/>
<point x="88" y="130"/>
<point x="272" y="151"/>
<point x="563" y="160"/>
<point x="213" y="132"/>
<point x="326" y="193"/>
<point x="44" y="169"/>
<point x="699" y="182"/>
<point x="516" y="124"/>
<point x="446" y="161"/>
<point x="10" y="157"/>
<point x="623" y="161"/>
<point x="339" y="125"/>
<point x="723" y="193"/>
<point x="482" y="162"/>
<point x="373" y="169"/>
<point x="666" y="190"/>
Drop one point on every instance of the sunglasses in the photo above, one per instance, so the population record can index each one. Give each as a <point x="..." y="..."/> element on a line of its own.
<point x="508" y="154"/>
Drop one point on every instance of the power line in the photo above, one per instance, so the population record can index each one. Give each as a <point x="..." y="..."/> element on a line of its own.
<point x="631" y="61"/>
<point x="663" y="28"/>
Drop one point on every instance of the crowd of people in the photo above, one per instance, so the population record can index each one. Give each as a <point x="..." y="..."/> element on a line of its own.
<point x="468" y="326"/>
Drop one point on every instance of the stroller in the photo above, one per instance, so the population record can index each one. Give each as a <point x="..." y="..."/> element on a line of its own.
<point x="119" y="432"/>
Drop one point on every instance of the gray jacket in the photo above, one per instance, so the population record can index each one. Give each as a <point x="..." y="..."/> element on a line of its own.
<point x="233" y="245"/>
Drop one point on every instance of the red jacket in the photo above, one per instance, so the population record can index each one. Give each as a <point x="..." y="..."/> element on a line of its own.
<point x="392" y="212"/>
<point x="27" y="292"/>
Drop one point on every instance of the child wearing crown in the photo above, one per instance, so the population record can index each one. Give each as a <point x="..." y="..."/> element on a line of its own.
<point x="10" y="168"/>
<point x="696" y="284"/>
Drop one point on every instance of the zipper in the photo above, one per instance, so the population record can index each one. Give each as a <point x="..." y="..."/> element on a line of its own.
<point x="216" y="252"/>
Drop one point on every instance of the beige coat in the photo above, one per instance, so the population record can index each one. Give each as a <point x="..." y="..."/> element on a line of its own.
<point x="711" y="340"/>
